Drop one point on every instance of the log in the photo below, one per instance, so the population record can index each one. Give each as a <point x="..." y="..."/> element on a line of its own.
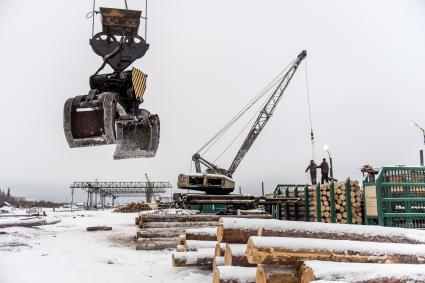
<point x="98" y="228"/>
<point x="156" y="245"/>
<point x="202" y="257"/>
<point x="218" y="261"/>
<point x="194" y="218"/>
<point x="290" y="250"/>
<point x="235" y="255"/>
<point x="234" y="274"/>
<point x="238" y="231"/>
<point x="274" y="273"/>
<point x="220" y="249"/>
<point x="180" y="218"/>
<point x="279" y="228"/>
<point x="202" y="234"/>
<point x="360" y="272"/>
<point x="193" y="245"/>
<point x="23" y="223"/>
<point x="176" y="224"/>
<point x="160" y="232"/>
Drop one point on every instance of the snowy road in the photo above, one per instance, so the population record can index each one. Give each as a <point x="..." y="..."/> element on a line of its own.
<point x="66" y="252"/>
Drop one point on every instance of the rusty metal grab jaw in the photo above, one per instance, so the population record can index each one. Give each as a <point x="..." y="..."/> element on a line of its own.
<point x="138" y="137"/>
<point x="88" y="120"/>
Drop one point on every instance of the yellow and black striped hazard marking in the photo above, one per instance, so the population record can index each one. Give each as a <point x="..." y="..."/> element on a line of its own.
<point x="139" y="82"/>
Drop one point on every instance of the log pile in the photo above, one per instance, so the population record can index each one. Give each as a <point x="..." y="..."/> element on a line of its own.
<point x="296" y="211"/>
<point x="341" y="201"/>
<point x="165" y="232"/>
<point x="133" y="207"/>
<point x="281" y="248"/>
<point x="291" y="251"/>
<point x="199" y="247"/>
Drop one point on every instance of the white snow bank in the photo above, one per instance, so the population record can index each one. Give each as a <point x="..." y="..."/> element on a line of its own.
<point x="244" y="274"/>
<point x="11" y="210"/>
<point x="355" y="272"/>
<point x="303" y="244"/>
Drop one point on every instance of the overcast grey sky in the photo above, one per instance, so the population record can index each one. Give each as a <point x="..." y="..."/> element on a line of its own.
<point x="206" y="60"/>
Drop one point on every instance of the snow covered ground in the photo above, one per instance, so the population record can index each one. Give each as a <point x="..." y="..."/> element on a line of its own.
<point x="66" y="252"/>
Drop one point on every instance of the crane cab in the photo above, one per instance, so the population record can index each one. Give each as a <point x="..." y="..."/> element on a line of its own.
<point x="213" y="184"/>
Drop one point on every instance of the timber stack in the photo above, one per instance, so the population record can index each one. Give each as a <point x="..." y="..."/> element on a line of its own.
<point x="134" y="207"/>
<point x="158" y="232"/>
<point x="269" y="251"/>
<point x="296" y="211"/>
<point x="338" y="202"/>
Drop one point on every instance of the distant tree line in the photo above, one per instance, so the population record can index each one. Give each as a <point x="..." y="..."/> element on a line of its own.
<point x="21" y="202"/>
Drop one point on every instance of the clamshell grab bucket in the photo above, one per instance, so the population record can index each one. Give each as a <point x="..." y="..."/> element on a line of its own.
<point x="89" y="120"/>
<point x="137" y="138"/>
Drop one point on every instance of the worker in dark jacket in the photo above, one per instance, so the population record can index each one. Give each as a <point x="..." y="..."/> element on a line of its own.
<point x="313" y="172"/>
<point x="324" y="170"/>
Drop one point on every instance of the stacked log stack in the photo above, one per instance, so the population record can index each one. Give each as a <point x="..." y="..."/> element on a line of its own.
<point x="297" y="210"/>
<point x="272" y="251"/>
<point x="341" y="202"/>
<point x="164" y="231"/>
<point x="159" y="232"/>
<point x="134" y="207"/>
<point x="289" y="251"/>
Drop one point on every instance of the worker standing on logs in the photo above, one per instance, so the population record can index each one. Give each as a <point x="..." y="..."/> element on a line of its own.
<point x="313" y="172"/>
<point x="324" y="170"/>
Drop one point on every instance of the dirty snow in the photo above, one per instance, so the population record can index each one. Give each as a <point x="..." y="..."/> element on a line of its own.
<point x="66" y="252"/>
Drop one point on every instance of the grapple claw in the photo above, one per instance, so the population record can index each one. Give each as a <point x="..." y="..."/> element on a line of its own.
<point x="137" y="138"/>
<point x="90" y="122"/>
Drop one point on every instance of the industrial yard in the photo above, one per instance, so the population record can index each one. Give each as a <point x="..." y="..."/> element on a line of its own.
<point x="66" y="252"/>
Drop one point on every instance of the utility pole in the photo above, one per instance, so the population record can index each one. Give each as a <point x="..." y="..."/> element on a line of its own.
<point x="262" y="188"/>
<point x="149" y="190"/>
<point x="72" y="198"/>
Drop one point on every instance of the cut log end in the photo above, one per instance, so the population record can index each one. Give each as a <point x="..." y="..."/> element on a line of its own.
<point x="277" y="273"/>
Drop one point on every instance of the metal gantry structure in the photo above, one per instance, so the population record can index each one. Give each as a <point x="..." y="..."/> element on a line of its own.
<point x="102" y="190"/>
